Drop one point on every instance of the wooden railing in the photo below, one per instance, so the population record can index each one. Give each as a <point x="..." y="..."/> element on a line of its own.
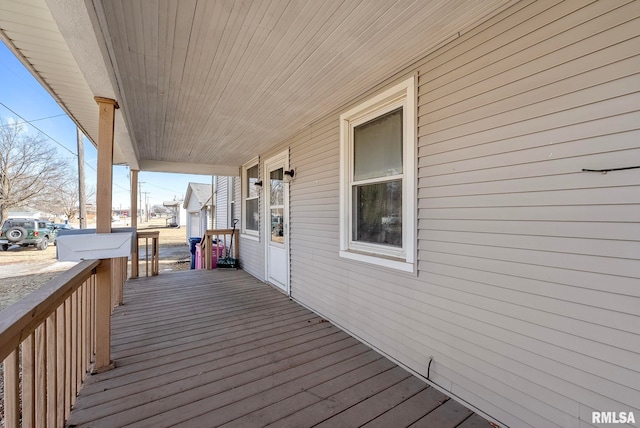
<point x="226" y="239"/>
<point x="154" y="261"/>
<point x="50" y="339"/>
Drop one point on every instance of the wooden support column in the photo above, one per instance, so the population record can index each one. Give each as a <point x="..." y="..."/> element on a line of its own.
<point x="134" y="221"/>
<point x="105" y="277"/>
<point x="134" y="198"/>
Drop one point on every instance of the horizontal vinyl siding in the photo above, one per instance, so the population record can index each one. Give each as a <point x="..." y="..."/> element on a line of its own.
<point x="535" y="259"/>
<point x="222" y="202"/>
<point x="526" y="291"/>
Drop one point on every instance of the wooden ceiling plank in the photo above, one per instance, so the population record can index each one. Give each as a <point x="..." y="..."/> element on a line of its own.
<point x="233" y="49"/>
<point x="139" y="56"/>
<point x="117" y="22"/>
<point x="294" y="89"/>
<point x="150" y="36"/>
<point x="163" y="79"/>
<point x="248" y="44"/>
<point x="179" y="45"/>
<point x="191" y="96"/>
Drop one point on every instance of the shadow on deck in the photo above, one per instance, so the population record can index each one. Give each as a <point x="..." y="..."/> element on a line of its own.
<point x="213" y="348"/>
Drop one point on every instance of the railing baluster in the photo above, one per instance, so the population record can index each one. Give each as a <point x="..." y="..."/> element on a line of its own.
<point x="41" y="379"/>
<point x="85" y="330"/>
<point x="28" y="381"/>
<point x="74" y="345"/>
<point x="92" y="308"/>
<point x="60" y="365"/>
<point x="67" y="353"/>
<point x="78" y="323"/>
<point x="11" y="391"/>
<point x="81" y="328"/>
<point x="51" y="368"/>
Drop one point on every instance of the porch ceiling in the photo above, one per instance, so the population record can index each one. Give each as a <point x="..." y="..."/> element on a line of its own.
<point x="204" y="86"/>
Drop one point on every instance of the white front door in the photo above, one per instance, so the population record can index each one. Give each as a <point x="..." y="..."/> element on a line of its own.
<point x="277" y="221"/>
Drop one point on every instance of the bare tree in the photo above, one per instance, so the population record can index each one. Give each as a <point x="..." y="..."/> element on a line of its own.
<point x="30" y="171"/>
<point x="67" y="202"/>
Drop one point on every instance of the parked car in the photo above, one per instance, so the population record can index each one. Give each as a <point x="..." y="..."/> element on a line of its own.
<point x="59" y="227"/>
<point x="65" y="226"/>
<point x="26" y="232"/>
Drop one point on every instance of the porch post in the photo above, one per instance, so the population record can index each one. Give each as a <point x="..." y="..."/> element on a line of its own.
<point x="134" y="220"/>
<point x="134" y="198"/>
<point x="105" y="275"/>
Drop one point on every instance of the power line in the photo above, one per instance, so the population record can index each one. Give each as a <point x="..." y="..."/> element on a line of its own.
<point x="53" y="139"/>
<point x="41" y="131"/>
<point x="44" y="133"/>
<point x="33" y="120"/>
<point x="163" y="188"/>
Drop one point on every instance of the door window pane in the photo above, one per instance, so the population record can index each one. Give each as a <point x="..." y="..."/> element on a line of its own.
<point x="377" y="210"/>
<point x="277" y="225"/>
<point x="276" y="183"/>
<point x="377" y="147"/>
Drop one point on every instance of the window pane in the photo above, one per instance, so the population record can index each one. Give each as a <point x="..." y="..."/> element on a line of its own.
<point x="277" y="184"/>
<point x="252" y="214"/>
<point x="277" y="226"/>
<point x="377" y="147"/>
<point x="252" y="177"/>
<point x="377" y="213"/>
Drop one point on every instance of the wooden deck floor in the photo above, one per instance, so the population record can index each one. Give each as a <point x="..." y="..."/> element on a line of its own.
<point x="219" y="348"/>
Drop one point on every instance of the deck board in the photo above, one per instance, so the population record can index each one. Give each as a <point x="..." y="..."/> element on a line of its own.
<point x="219" y="348"/>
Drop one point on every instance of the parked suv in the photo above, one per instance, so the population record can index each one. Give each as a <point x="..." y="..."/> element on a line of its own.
<point x="27" y="231"/>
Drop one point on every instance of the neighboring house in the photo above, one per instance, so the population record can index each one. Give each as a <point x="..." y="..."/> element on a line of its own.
<point x="27" y="212"/>
<point x="427" y="186"/>
<point x="225" y="202"/>
<point x="178" y="214"/>
<point x="197" y="204"/>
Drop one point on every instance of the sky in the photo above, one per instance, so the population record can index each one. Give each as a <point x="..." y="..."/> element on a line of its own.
<point x="22" y="98"/>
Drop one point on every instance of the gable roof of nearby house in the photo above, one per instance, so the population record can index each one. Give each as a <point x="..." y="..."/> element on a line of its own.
<point x="200" y="191"/>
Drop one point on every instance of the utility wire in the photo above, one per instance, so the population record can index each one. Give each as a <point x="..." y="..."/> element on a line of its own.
<point x="41" y="131"/>
<point x="53" y="139"/>
<point x="75" y="155"/>
<point x="33" y="120"/>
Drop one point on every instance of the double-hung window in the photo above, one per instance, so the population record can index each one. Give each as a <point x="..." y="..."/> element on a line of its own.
<point x="378" y="179"/>
<point x="250" y="199"/>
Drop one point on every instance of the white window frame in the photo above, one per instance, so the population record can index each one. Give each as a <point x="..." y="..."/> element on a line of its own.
<point x="250" y="233"/>
<point x="402" y="95"/>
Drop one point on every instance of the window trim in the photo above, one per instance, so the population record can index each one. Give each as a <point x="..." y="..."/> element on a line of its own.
<point x="402" y="94"/>
<point x="250" y="233"/>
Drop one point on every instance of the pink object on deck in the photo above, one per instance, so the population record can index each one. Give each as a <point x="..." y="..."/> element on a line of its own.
<point x="214" y="256"/>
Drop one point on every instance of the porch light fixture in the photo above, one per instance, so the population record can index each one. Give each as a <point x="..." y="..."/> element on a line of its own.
<point x="288" y="175"/>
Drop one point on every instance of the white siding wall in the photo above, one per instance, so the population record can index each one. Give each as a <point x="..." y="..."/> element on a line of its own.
<point x="527" y="293"/>
<point x="193" y="219"/>
<point x="222" y="202"/>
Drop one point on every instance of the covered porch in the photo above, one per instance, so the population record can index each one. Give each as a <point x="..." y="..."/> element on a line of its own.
<point x="213" y="348"/>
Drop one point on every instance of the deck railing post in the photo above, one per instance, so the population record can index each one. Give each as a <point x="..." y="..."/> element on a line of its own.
<point x="208" y="251"/>
<point x="103" y="317"/>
